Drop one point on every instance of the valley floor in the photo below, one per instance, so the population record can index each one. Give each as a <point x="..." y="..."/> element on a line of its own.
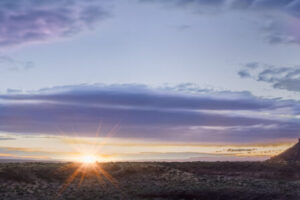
<point x="151" y="180"/>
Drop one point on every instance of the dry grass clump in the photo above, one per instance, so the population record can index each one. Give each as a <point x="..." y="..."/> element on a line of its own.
<point x="17" y="173"/>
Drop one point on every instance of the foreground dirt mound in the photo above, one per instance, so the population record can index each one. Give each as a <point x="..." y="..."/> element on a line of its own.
<point x="196" y="180"/>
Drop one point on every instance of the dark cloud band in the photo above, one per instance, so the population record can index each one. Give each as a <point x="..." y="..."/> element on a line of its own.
<point x="141" y="112"/>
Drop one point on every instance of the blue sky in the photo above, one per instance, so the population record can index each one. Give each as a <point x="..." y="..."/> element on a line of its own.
<point x="221" y="71"/>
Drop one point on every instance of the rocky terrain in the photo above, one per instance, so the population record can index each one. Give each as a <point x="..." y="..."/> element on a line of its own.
<point x="193" y="180"/>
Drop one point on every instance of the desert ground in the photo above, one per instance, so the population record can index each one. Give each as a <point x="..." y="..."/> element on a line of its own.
<point x="150" y="180"/>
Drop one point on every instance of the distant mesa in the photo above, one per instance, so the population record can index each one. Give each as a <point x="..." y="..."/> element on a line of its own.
<point x="291" y="155"/>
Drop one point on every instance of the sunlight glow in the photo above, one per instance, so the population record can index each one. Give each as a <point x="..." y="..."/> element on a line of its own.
<point x="89" y="159"/>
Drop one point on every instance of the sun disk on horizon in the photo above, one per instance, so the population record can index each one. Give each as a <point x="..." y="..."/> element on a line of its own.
<point x="89" y="159"/>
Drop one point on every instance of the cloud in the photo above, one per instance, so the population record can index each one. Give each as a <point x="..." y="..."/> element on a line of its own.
<point x="13" y="91"/>
<point x="181" y="3"/>
<point x="142" y="112"/>
<point x="290" y="7"/>
<point x="240" y="150"/>
<point x="244" y="74"/>
<point x="127" y="96"/>
<point x="279" y="19"/>
<point x="27" y="21"/>
<point x="252" y="65"/>
<point x="7" y="138"/>
<point x="11" y="64"/>
<point x="285" y="78"/>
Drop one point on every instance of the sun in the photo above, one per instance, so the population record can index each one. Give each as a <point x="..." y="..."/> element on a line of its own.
<point x="89" y="159"/>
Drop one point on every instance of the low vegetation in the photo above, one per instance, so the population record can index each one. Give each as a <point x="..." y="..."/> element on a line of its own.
<point x="152" y="180"/>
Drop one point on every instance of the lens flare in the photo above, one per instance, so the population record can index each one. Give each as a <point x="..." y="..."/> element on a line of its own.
<point x="87" y="164"/>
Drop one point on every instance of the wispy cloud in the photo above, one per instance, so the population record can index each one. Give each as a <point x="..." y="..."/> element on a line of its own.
<point x="279" y="20"/>
<point x="286" y="78"/>
<point x="14" y="156"/>
<point x="7" y="138"/>
<point x="26" y="21"/>
<point x="12" y="64"/>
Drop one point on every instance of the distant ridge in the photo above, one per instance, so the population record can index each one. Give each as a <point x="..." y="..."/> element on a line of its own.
<point x="291" y="155"/>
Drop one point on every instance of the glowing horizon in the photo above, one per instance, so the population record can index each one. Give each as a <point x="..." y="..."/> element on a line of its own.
<point x="97" y="149"/>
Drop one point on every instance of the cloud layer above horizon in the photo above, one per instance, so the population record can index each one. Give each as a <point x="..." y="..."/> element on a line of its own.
<point x="150" y="113"/>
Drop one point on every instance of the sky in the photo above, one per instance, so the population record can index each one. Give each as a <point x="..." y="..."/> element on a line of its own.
<point x="165" y="80"/>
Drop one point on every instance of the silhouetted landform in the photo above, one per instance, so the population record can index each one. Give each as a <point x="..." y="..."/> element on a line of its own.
<point x="150" y="180"/>
<point x="291" y="155"/>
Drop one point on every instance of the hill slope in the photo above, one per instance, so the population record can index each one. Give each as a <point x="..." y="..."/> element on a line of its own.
<point x="291" y="155"/>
